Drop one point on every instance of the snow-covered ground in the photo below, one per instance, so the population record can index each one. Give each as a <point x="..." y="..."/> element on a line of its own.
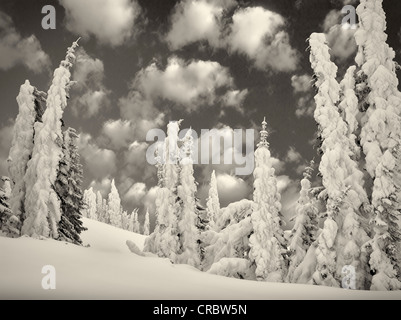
<point x="108" y="270"/>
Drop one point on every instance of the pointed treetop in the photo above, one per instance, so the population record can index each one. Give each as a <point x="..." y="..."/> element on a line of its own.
<point x="264" y="134"/>
<point x="309" y="170"/>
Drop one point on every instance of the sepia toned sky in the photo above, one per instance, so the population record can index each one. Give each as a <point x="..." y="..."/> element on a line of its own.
<point x="142" y="63"/>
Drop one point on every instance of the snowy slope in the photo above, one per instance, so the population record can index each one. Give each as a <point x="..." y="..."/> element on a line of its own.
<point x="108" y="270"/>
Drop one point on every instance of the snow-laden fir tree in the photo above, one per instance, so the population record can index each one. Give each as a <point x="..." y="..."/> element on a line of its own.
<point x="146" y="224"/>
<point x="69" y="191"/>
<point x="384" y="248"/>
<point x="303" y="233"/>
<point x="42" y="206"/>
<point x="114" y="206"/>
<point x="7" y="186"/>
<point x="343" y="235"/>
<point x="227" y="250"/>
<point x="188" y="232"/>
<point x="164" y="239"/>
<point x="5" y="211"/>
<point x="90" y="209"/>
<point x="125" y="218"/>
<point x="349" y="109"/>
<point x="267" y="241"/>
<point x="100" y="209"/>
<point x="20" y="153"/>
<point x="380" y="136"/>
<point x="202" y="223"/>
<point x="380" y="126"/>
<point x="134" y="225"/>
<point x="213" y="202"/>
<point x="105" y="211"/>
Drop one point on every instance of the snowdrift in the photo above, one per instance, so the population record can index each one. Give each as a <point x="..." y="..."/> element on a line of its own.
<point x="108" y="270"/>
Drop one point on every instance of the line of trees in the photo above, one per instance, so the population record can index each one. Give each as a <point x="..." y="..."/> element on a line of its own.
<point x="46" y="198"/>
<point x="359" y="138"/>
<point x="110" y="211"/>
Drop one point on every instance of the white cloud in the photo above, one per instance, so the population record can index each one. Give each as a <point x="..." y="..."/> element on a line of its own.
<point x="16" y="50"/>
<point x="89" y="95"/>
<point x="87" y="69"/>
<point x="188" y="85"/>
<point x="135" y="194"/>
<point x="117" y="133"/>
<point x="305" y="106"/>
<point x="194" y="21"/>
<point x="289" y="198"/>
<point x="103" y="185"/>
<point x="257" y="33"/>
<point x="301" y="83"/>
<point x="303" y="91"/>
<point x="100" y="162"/>
<point x="112" y="22"/>
<point x="293" y="156"/>
<point x="231" y="189"/>
<point x="283" y="182"/>
<point x="341" y="40"/>
<point x="135" y="165"/>
<point x="235" y="98"/>
<point x="90" y="103"/>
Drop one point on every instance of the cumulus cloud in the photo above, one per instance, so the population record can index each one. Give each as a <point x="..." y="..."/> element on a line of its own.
<point x="117" y="134"/>
<point x="289" y="198"/>
<point x="283" y="182"/>
<point x="135" y="194"/>
<point x="111" y="22"/>
<point x="231" y="189"/>
<point x="341" y="40"/>
<point x="194" y="21"/>
<point x="89" y="95"/>
<point x="303" y="92"/>
<point x="135" y="165"/>
<point x="293" y="156"/>
<point x="103" y="185"/>
<point x="101" y="163"/>
<point x="301" y="83"/>
<point x="16" y="50"/>
<point x="254" y="32"/>
<point x="257" y="33"/>
<point x="188" y="86"/>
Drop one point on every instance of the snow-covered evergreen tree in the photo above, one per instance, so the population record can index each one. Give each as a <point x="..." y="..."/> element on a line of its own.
<point x="380" y="136"/>
<point x="384" y="248"/>
<point x="90" y="209"/>
<point x="213" y="202"/>
<point x="146" y="224"/>
<point x="100" y="210"/>
<point x="349" y="109"/>
<point x="105" y="215"/>
<point x="5" y="211"/>
<point x="343" y="235"/>
<point x="20" y="153"/>
<point x="303" y="233"/>
<point x="68" y="189"/>
<point x="188" y="233"/>
<point x="42" y="206"/>
<point x="202" y="223"/>
<point x="380" y="126"/>
<point x="164" y="239"/>
<point x="125" y="219"/>
<point x="7" y="187"/>
<point x="134" y="225"/>
<point x="114" y="207"/>
<point x="267" y="241"/>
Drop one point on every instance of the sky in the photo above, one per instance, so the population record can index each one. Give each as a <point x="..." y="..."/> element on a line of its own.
<point x="222" y="64"/>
